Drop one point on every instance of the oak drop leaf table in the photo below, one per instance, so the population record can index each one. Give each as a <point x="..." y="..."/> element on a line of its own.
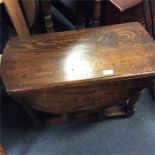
<point x="87" y="74"/>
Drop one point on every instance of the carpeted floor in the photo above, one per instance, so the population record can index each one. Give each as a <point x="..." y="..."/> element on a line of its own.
<point x="132" y="136"/>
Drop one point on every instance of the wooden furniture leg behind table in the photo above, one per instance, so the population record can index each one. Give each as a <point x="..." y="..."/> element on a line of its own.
<point x="2" y="151"/>
<point x="149" y="12"/>
<point x="89" y="13"/>
<point x="16" y="16"/>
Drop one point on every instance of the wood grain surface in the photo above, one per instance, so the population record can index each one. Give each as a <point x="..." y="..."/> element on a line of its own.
<point x="70" y="99"/>
<point x="77" y="57"/>
<point x="87" y="74"/>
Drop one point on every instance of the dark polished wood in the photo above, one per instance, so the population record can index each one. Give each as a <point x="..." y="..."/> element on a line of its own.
<point x="124" y="5"/>
<point x="149" y="12"/>
<point x="89" y="13"/>
<point x="122" y="11"/>
<point x="95" y="18"/>
<point x="81" y="8"/>
<point x="87" y="74"/>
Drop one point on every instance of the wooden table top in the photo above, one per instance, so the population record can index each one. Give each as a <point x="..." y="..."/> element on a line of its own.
<point x="76" y="57"/>
<point x="123" y="5"/>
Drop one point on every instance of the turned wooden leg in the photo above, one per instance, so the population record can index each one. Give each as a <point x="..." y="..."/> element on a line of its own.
<point x="130" y="105"/>
<point x="152" y="89"/>
<point x="96" y="13"/>
<point x="38" y="122"/>
<point x="14" y="10"/>
<point x="48" y="21"/>
<point x="81" y="8"/>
